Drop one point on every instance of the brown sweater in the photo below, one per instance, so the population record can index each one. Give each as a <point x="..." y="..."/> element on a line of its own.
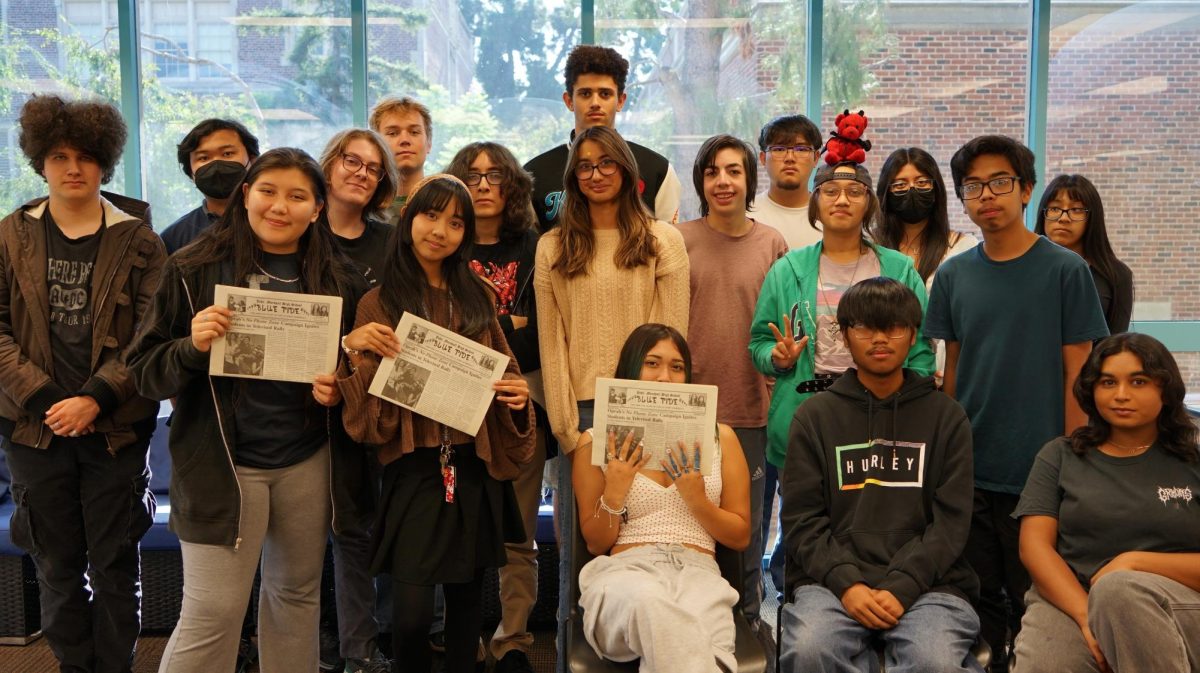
<point x="504" y="442"/>
<point x="584" y="321"/>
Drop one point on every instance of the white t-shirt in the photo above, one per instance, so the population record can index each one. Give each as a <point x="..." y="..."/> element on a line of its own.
<point x="791" y="222"/>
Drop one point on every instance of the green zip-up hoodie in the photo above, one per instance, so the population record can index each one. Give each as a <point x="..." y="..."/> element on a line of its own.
<point x="791" y="288"/>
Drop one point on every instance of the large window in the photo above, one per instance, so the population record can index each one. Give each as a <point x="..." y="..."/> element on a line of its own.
<point x="1123" y="91"/>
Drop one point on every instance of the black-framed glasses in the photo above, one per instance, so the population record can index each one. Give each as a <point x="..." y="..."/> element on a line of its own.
<point x="1054" y="213"/>
<point x="493" y="178"/>
<point x="997" y="186"/>
<point x="353" y="164"/>
<point x="853" y="192"/>
<point x="584" y="170"/>
<point x="902" y="186"/>
<point x="782" y="150"/>
<point x="863" y="333"/>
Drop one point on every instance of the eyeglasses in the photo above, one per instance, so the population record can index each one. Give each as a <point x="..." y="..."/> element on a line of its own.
<point x="782" y="150"/>
<point x="998" y="187"/>
<point x="1055" y="214"/>
<point x="585" y="169"/>
<point x="492" y="177"/>
<point x="353" y="164"/>
<point x="854" y="192"/>
<point x="863" y="333"/>
<point x="902" y="186"/>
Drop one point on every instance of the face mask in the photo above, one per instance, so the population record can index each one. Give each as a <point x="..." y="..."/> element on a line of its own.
<point x="217" y="179"/>
<point x="912" y="206"/>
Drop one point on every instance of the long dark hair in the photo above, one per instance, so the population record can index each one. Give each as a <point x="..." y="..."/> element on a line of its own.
<point x="404" y="287"/>
<point x="515" y="186"/>
<point x="323" y="270"/>
<point x="1096" y="249"/>
<point x="641" y="340"/>
<point x="1177" y="434"/>
<point x="889" y="230"/>
<point x="577" y="241"/>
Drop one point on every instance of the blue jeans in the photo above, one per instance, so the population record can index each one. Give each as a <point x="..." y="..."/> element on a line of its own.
<point x="934" y="636"/>
<point x="564" y="505"/>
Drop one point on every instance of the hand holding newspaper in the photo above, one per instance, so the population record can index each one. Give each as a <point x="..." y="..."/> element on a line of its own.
<point x="441" y="375"/>
<point x="277" y="336"/>
<point x="660" y="414"/>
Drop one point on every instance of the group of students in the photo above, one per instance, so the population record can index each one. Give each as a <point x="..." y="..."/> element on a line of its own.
<point x="858" y="302"/>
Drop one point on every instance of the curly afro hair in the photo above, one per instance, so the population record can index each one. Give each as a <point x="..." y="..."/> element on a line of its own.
<point x="590" y="59"/>
<point x="86" y="126"/>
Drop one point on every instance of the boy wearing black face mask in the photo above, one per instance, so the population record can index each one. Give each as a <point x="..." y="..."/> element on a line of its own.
<point x="214" y="155"/>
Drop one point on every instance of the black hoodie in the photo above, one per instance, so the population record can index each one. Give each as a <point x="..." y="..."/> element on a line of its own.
<point x="879" y="491"/>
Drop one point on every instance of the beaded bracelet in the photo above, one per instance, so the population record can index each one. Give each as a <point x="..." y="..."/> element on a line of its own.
<point x="623" y="512"/>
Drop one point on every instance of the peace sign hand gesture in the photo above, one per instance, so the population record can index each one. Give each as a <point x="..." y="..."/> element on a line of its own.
<point x="787" y="350"/>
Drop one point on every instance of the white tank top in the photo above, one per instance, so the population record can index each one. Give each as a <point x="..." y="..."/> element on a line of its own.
<point x="658" y="514"/>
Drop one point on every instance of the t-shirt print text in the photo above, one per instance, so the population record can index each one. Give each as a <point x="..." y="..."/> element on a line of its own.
<point x="67" y="282"/>
<point x="1174" y="494"/>
<point x="880" y="462"/>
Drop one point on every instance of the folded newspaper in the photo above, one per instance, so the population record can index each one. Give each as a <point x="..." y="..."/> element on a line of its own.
<point x="277" y="336"/>
<point x="659" y="414"/>
<point x="441" y="375"/>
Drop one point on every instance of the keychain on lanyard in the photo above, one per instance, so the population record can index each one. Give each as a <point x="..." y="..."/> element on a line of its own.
<point x="446" y="454"/>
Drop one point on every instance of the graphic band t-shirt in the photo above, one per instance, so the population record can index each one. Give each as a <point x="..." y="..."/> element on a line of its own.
<point x="276" y="421"/>
<point x="1107" y="505"/>
<point x="69" y="266"/>
<point x="833" y="280"/>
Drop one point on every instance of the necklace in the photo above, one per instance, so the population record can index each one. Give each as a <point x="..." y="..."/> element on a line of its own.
<point x="1131" y="449"/>
<point x="275" y="278"/>
<point x="853" y="276"/>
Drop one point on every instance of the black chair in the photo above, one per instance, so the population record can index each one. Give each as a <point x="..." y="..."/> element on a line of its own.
<point x="980" y="650"/>
<point x="581" y="658"/>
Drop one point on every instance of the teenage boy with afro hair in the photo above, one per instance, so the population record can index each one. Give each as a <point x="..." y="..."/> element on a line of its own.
<point x="595" y="78"/>
<point x="79" y="268"/>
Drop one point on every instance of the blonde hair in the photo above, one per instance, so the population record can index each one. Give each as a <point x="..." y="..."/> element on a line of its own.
<point x="393" y="105"/>
<point x="577" y="241"/>
<point x="385" y="189"/>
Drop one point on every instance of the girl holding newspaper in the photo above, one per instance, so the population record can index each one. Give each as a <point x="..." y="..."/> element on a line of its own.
<point x="448" y="504"/>
<point x="654" y="591"/>
<point x="260" y="465"/>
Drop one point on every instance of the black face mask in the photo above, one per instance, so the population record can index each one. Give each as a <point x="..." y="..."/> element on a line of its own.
<point x="912" y="206"/>
<point x="217" y="179"/>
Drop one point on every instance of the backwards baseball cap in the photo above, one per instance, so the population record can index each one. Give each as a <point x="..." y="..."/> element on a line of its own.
<point x="846" y="170"/>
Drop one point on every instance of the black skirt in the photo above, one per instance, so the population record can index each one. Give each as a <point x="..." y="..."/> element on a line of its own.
<point x="422" y="539"/>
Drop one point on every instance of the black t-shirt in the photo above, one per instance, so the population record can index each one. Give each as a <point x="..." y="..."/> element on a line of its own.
<point x="69" y="267"/>
<point x="1107" y="505"/>
<point x="278" y="422"/>
<point x="368" y="250"/>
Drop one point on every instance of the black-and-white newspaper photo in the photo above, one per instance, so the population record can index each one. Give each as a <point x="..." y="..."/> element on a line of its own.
<point x="659" y="415"/>
<point x="439" y="374"/>
<point x="277" y="336"/>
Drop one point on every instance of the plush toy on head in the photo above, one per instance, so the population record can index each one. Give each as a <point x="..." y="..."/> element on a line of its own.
<point x="847" y="143"/>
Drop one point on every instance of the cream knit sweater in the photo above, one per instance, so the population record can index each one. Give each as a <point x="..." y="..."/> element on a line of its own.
<point x="584" y="321"/>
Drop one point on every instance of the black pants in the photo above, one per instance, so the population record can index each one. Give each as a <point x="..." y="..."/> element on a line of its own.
<point x="413" y="610"/>
<point x="993" y="551"/>
<point x="81" y="511"/>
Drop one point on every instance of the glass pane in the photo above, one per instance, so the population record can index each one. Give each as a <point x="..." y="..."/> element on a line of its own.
<point x="703" y="67"/>
<point x="1123" y="84"/>
<point x="927" y="75"/>
<point x="73" y="54"/>
<point x="282" y="68"/>
<point x="487" y="70"/>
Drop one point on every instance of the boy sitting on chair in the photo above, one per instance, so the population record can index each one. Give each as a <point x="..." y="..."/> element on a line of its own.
<point x="877" y="493"/>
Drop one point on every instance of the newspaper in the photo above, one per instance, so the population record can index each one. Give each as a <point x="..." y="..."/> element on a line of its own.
<point x="660" y="414"/>
<point x="441" y="375"/>
<point x="277" y="336"/>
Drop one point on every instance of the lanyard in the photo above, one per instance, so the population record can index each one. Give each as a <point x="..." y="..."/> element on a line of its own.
<point x="446" y="453"/>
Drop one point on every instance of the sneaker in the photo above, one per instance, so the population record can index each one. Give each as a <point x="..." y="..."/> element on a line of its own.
<point x="513" y="661"/>
<point x="376" y="663"/>
<point x="331" y="659"/>
<point x="437" y="641"/>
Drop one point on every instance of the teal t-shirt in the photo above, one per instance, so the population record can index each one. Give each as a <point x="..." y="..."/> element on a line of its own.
<point x="1011" y="320"/>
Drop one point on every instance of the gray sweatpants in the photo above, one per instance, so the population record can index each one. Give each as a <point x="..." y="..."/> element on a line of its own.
<point x="1144" y="623"/>
<point x="285" y="519"/>
<point x="666" y="604"/>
